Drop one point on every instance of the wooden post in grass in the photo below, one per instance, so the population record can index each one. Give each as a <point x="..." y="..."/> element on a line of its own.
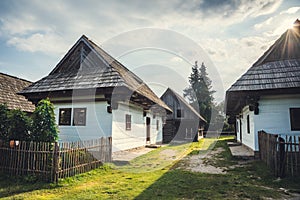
<point x="55" y="160"/>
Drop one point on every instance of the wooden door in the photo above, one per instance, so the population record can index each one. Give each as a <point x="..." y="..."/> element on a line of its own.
<point x="148" y="126"/>
<point x="241" y="128"/>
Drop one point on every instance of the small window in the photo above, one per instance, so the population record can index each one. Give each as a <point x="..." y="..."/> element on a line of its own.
<point x="157" y="125"/>
<point x="295" y="119"/>
<point x="128" y="122"/>
<point x="248" y="124"/>
<point x="79" y="117"/>
<point x="180" y="113"/>
<point x="64" y="116"/>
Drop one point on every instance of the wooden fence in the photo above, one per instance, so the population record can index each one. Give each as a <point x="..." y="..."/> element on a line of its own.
<point x="280" y="152"/>
<point x="51" y="161"/>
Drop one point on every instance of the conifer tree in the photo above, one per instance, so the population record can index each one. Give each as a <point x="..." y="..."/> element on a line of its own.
<point x="200" y="93"/>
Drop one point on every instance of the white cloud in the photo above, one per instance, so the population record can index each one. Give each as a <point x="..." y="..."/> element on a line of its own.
<point x="232" y="57"/>
<point x="276" y="25"/>
<point x="47" y="43"/>
<point x="291" y="10"/>
<point x="52" y="28"/>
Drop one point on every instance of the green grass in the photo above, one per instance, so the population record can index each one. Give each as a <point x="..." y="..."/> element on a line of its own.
<point x="154" y="176"/>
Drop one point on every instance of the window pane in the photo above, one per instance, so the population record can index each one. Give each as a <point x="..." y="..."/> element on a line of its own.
<point x="248" y="124"/>
<point x="295" y="119"/>
<point x="79" y="117"/>
<point x="157" y="125"/>
<point x="180" y="113"/>
<point x="128" y="122"/>
<point x="64" y="116"/>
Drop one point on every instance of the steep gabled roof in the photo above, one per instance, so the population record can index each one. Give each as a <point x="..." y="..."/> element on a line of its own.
<point x="9" y="87"/>
<point x="183" y="102"/>
<point x="276" y="71"/>
<point x="87" y="66"/>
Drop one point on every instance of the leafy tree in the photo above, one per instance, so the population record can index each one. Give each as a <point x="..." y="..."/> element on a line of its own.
<point x="4" y="122"/>
<point x="19" y="125"/>
<point x="44" y="128"/>
<point x="200" y="93"/>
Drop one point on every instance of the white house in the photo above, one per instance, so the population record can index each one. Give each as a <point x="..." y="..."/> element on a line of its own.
<point x="267" y="96"/>
<point x="94" y="96"/>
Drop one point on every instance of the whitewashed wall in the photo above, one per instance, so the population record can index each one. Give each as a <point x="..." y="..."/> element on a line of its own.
<point x="155" y="135"/>
<point x="274" y="115"/>
<point x="136" y="137"/>
<point x="238" y="130"/>
<point x="248" y="138"/>
<point x="98" y="122"/>
<point x="126" y="139"/>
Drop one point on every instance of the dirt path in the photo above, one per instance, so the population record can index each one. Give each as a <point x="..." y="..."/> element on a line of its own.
<point x="128" y="155"/>
<point x="198" y="163"/>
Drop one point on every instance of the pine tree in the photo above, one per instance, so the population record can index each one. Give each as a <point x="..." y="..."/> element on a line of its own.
<point x="200" y="93"/>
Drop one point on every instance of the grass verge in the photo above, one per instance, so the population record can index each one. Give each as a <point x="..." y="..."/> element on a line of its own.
<point x="153" y="176"/>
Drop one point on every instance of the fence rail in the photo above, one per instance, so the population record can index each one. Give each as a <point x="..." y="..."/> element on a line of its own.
<point x="280" y="152"/>
<point x="51" y="161"/>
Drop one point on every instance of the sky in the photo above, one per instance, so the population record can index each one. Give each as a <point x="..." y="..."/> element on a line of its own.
<point x="157" y="40"/>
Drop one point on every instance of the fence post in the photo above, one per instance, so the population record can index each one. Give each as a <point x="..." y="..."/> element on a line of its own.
<point x="110" y="149"/>
<point x="55" y="162"/>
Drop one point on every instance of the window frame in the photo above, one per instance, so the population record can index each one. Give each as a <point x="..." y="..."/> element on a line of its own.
<point x="180" y="113"/>
<point x="294" y="123"/>
<point x="60" y="115"/>
<point x="128" y="122"/>
<point x="248" y="124"/>
<point x="75" y="122"/>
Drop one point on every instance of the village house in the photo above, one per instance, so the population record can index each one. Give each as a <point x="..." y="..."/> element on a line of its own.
<point x="184" y="123"/>
<point x="9" y="87"/>
<point x="96" y="96"/>
<point x="267" y="96"/>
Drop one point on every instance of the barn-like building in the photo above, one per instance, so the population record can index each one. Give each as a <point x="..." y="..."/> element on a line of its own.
<point x="184" y="123"/>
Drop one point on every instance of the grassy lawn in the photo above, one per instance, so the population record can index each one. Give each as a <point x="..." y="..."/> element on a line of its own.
<point x="155" y="176"/>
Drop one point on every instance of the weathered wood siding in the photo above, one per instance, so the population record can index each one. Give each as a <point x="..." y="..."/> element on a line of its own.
<point x="175" y="105"/>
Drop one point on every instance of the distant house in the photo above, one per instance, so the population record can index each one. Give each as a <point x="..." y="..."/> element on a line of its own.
<point x="9" y="87"/>
<point x="184" y="123"/>
<point x="267" y="96"/>
<point x="96" y="96"/>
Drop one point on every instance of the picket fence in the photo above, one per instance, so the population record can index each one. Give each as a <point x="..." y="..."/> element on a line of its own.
<point x="52" y="161"/>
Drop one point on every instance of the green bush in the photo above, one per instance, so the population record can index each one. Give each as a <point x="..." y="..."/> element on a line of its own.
<point x="19" y="125"/>
<point x="44" y="128"/>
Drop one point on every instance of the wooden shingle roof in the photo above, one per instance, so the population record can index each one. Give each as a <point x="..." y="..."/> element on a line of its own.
<point x="87" y="66"/>
<point x="9" y="87"/>
<point x="276" y="71"/>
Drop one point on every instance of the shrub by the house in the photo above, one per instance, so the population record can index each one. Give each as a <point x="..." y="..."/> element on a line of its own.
<point x="44" y="127"/>
<point x="4" y="122"/>
<point x="19" y="125"/>
<point x="40" y="127"/>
